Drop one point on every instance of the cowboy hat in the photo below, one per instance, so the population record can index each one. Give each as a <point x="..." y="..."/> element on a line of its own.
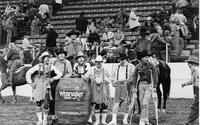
<point x="49" y="26"/>
<point x="44" y="54"/>
<point x="123" y="56"/>
<point x="99" y="59"/>
<point x="80" y="54"/>
<point x="61" y="50"/>
<point x="148" y="18"/>
<point x="193" y="59"/>
<point x="142" y="54"/>
<point x="73" y="32"/>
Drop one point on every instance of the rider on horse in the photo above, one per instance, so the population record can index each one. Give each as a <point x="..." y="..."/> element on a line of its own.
<point x="144" y="70"/>
<point x="13" y="63"/>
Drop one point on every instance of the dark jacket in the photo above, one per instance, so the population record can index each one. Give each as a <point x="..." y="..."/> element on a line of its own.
<point x="144" y="70"/>
<point x="81" y="24"/>
<point x="51" y="38"/>
<point x="94" y="37"/>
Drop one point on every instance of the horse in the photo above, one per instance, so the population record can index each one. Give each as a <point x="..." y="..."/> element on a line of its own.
<point x="164" y="79"/>
<point x="19" y="78"/>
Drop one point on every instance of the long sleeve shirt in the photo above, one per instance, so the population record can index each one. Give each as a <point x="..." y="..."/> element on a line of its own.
<point x="98" y="75"/>
<point x="64" y="67"/>
<point x="37" y="68"/>
<point x="26" y="44"/>
<point x="124" y="72"/>
<point x="144" y="71"/>
<point x="194" y="77"/>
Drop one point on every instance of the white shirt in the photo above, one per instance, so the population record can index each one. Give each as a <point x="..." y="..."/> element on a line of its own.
<point x="36" y="68"/>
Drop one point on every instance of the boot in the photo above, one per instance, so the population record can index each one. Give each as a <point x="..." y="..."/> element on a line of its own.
<point x="114" y="120"/>
<point x="103" y="120"/>
<point x="97" y="117"/>
<point x="44" y="122"/>
<point x="39" y="116"/>
<point x="125" y="120"/>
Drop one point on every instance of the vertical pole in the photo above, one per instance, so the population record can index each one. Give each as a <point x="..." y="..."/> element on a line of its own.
<point x="167" y="54"/>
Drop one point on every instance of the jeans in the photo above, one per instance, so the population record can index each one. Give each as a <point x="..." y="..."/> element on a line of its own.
<point x="194" y="114"/>
<point x="144" y="96"/>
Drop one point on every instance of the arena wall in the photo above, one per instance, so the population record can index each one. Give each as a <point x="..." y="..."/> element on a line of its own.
<point x="180" y="73"/>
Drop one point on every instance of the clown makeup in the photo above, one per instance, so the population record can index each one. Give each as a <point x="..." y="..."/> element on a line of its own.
<point x="98" y="65"/>
<point x="46" y="59"/>
<point x="61" y="56"/>
<point x="145" y="59"/>
<point x="81" y="60"/>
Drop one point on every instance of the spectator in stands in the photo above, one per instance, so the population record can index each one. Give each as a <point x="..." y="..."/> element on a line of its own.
<point x="156" y="24"/>
<point x="195" y="6"/>
<point x="35" y="26"/>
<point x="118" y="37"/>
<point x="9" y="28"/>
<point x="121" y="18"/>
<point x="44" y="8"/>
<point x="182" y="4"/>
<point x="1" y="32"/>
<point x="94" y="39"/>
<point x="73" y="44"/>
<point x="195" y="28"/>
<point x="143" y="42"/>
<point x="51" y="39"/>
<point x="181" y="21"/>
<point x="163" y="15"/>
<point x="133" y="21"/>
<point x="148" y="24"/>
<point x="91" y="26"/>
<point x="81" y="23"/>
<point x="32" y="12"/>
<point x="27" y="46"/>
<point x="107" y="34"/>
<point x="4" y="31"/>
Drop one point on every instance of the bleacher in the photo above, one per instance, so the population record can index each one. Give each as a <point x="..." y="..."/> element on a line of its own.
<point x="64" y="20"/>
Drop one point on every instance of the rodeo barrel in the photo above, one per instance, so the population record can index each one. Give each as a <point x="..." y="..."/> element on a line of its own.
<point x="73" y="101"/>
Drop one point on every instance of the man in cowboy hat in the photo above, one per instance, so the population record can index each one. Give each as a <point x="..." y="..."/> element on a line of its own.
<point x="144" y="69"/>
<point x="100" y="90"/>
<point x="51" y="42"/>
<point x="65" y="67"/>
<point x="193" y="63"/>
<point x="121" y="80"/>
<point x="73" y="44"/>
<point x="81" y="67"/>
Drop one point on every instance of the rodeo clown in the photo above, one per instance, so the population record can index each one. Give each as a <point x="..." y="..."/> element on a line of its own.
<point x="41" y="74"/>
<point x="121" y="82"/>
<point x="144" y="70"/>
<point x="100" y="90"/>
<point x="65" y="67"/>
<point x="81" y="67"/>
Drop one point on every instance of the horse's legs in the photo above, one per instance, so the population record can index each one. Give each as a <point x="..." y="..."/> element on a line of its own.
<point x="159" y="93"/>
<point x="165" y="95"/>
<point x="3" y="86"/>
<point x="14" y="94"/>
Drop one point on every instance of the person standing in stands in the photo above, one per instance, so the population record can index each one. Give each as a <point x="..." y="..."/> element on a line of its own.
<point x="193" y="63"/>
<point x="133" y="21"/>
<point x="9" y="28"/>
<point x="81" y="23"/>
<point x="51" y="39"/>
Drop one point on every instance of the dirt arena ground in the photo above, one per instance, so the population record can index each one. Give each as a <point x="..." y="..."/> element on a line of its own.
<point x="22" y="113"/>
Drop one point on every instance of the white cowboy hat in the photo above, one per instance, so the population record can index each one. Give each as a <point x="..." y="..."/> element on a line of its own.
<point x="49" y="26"/>
<point x="99" y="59"/>
<point x="43" y="55"/>
<point x="148" y="18"/>
<point x="193" y="59"/>
<point x="80" y="54"/>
